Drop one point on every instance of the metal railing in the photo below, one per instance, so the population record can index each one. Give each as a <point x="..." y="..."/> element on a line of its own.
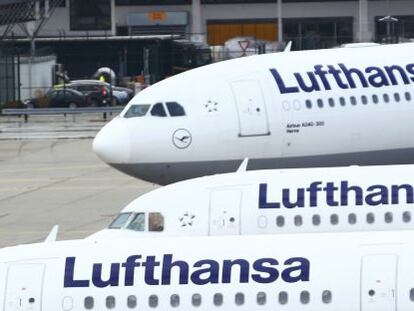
<point x="26" y="112"/>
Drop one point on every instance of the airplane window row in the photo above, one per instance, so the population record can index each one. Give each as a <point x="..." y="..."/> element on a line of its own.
<point x="157" y="110"/>
<point x="353" y="100"/>
<point x="137" y="222"/>
<point x="239" y="299"/>
<point x="351" y="219"/>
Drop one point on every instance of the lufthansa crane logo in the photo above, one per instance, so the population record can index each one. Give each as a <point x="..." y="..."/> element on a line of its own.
<point x="181" y="138"/>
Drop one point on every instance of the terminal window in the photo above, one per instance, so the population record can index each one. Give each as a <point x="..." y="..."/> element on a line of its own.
<point x="90" y="15"/>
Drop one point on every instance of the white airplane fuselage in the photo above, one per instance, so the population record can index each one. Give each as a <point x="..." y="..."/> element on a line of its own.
<point x="259" y="202"/>
<point x="299" y="109"/>
<point x="346" y="271"/>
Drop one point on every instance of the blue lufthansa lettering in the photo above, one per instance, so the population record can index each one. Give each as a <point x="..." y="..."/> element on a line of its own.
<point x="320" y="193"/>
<point x="202" y="272"/>
<point x="346" y="77"/>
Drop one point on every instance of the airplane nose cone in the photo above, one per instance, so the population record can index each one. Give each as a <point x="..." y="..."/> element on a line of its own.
<point x="112" y="144"/>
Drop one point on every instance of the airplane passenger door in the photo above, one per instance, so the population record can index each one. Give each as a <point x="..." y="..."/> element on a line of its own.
<point x="378" y="286"/>
<point x="251" y="108"/>
<point x="225" y="212"/>
<point x="24" y="287"/>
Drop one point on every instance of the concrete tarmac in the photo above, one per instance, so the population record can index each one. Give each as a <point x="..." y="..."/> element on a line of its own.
<point x="51" y="178"/>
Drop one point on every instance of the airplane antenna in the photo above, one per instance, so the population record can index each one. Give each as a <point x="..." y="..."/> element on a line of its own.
<point x="288" y="47"/>
<point x="52" y="234"/>
<point x="243" y="166"/>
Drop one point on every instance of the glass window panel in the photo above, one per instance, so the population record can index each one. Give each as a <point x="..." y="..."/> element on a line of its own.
<point x="352" y="219"/>
<point x="132" y="301"/>
<point x="158" y="110"/>
<point x="261" y="298"/>
<point x="239" y="299"/>
<point x="119" y="221"/>
<point x="280" y="221"/>
<point x="156" y="222"/>
<point x="136" y="111"/>
<point x="153" y="301"/>
<point x="218" y="299"/>
<point x="304" y="297"/>
<point x="88" y="303"/>
<point x="110" y="302"/>
<point x="175" y="109"/>
<point x="196" y="300"/>
<point x="175" y="301"/>
<point x="326" y="296"/>
<point x="137" y="223"/>
<point x="283" y="298"/>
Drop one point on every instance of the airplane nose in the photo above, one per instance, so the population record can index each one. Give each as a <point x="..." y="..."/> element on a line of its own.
<point x="112" y="144"/>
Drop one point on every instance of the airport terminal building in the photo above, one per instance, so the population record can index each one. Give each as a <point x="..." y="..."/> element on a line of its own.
<point x="308" y="23"/>
<point x="155" y="39"/>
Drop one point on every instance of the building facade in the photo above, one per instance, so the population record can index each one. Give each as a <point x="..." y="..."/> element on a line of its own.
<point x="308" y="23"/>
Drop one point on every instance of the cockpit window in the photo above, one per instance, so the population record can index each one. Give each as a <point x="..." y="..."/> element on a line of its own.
<point x="119" y="221"/>
<point x="156" y="222"/>
<point x="137" y="111"/>
<point x="158" y="110"/>
<point x="175" y="109"/>
<point x="137" y="223"/>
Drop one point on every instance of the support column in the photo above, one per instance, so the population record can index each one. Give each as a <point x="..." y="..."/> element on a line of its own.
<point x="364" y="35"/>
<point x="113" y="18"/>
<point x="279" y="21"/>
<point x="196" y="29"/>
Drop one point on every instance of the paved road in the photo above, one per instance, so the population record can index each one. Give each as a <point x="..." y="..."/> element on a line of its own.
<point x="47" y="181"/>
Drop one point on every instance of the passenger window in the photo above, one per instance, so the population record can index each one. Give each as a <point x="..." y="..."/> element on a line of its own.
<point x="158" y="110"/>
<point x="218" y="299"/>
<point x="308" y="104"/>
<point x="364" y="99"/>
<point x="388" y="217"/>
<point x="239" y="299"/>
<point x="316" y="220"/>
<point x="407" y="96"/>
<point x="136" y="111"/>
<point x="334" y="219"/>
<point x="280" y="221"/>
<point x="153" y="301"/>
<point x="320" y="103"/>
<point x="331" y="102"/>
<point x="370" y="218"/>
<point x="386" y="98"/>
<point x="119" y="221"/>
<point x="261" y="298"/>
<point x="175" y="109"/>
<point x="88" y="303"/>
<point x="175" y="301"/>
<point x="298" y="220"/>
<point x="283" y="298"/>
<point x="137" y="223"/>
<point x="375" y="99"/>
<point x="397" y="97"/>
<point x="156" y="222"/>
<point x="304" y="297"/>
<point x="110" y="302"/>
<point x="353" y="100"/>
<point x="412" y="294"/>
<point x="326" y="296"/>
<point x="406" y="217"/>
<point x="342" y="101"/>
<point x="132" y="301"/>
<point x="352" y="219"/>
<point x="196" y="300"/>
